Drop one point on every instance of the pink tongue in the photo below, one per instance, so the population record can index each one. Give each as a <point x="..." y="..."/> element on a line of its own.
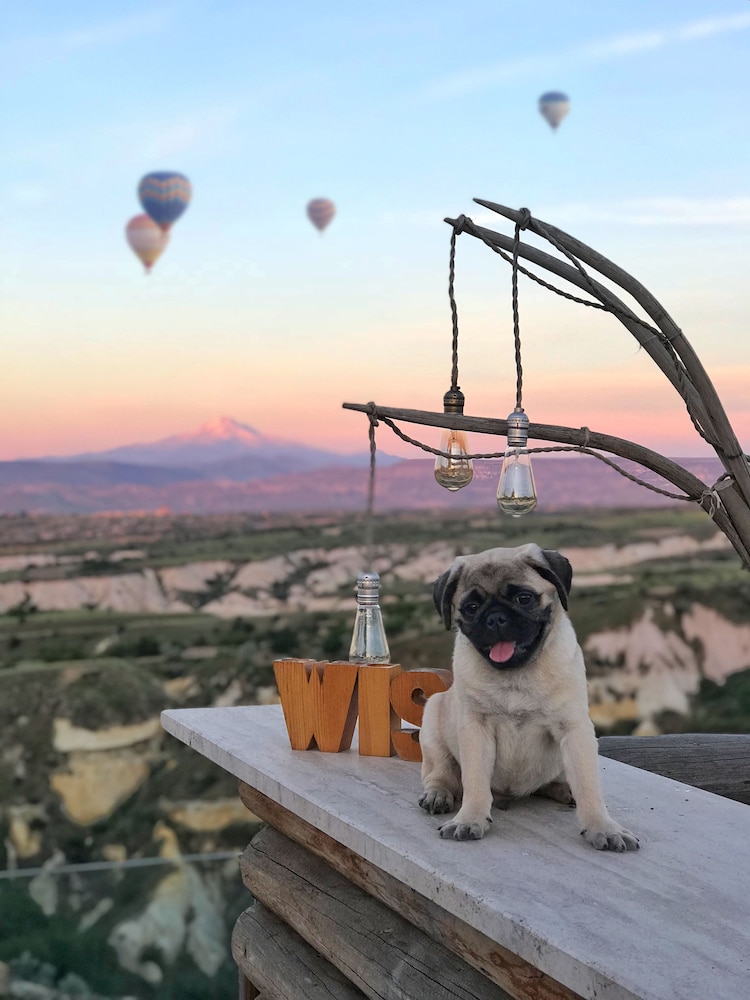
<point x="501" y="652"/>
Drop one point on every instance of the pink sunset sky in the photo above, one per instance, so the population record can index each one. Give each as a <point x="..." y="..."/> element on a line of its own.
<point x="251" y="313"/>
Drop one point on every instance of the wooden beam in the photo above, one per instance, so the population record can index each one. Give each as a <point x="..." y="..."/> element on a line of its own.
<point x="374" y="947"/>
<point x="717" y="421"/>
<point x="718" y="763"/>
<point x="520" y="980"/>
<point x="629" y="450"/>
<point x="598" y="922"/>
<point x="284" y="965"/>
<point x="664" y="467"/>
<point x="246" y="989"/>
<point x="648" y="341"/>
<point x="710" y="411"/>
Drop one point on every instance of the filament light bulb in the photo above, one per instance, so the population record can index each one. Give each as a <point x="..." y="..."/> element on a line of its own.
<point x="369" y="644"/>
<point x="455" y="471"/>
<point x="516" y="490"/>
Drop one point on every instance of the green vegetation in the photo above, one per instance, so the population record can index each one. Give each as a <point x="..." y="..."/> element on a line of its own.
<point x="100" y="668"/>
<point x="122" y="697"/>
<point x="716" y="708"/>
<point x="55" y="951"/>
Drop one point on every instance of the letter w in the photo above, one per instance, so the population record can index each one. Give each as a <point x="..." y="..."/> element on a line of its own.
<point x="319" y="701"/>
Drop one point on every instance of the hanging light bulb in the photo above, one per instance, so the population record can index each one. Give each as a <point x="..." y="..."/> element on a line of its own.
<point x="516" y="493"/>
<point x="457" y="471"/>
<point x="369" y="644"/>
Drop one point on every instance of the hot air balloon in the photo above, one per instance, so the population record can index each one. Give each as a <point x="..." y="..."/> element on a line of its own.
<point x="320" y="211"/>
<point x="164" y="195"/>
<point x="146" y="239"/>
<point x="554" y="106"/>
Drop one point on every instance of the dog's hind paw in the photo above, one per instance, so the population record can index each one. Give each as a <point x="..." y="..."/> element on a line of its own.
<point x="462" y="831"/>
<point x="612" y="838"/>
<point x="437" y="801"/>
<point x="559" y="791"/>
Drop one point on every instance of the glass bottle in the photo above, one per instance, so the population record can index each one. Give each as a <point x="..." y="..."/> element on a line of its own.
<point x="369" y="644"/>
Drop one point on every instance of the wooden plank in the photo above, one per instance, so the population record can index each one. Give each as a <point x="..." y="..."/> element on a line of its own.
<point x="246" y="989"/>
<point x="718" y="763"/>
<point x="518" y="978"/>
<point x="598" y="922"/>
<point x="731" y="516"/>
<point x="284" y="965"/>
<point x="378" y="950"/>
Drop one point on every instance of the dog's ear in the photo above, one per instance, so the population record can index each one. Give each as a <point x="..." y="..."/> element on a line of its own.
<point x="444" y="590"/>
<point x="558" y="571"/>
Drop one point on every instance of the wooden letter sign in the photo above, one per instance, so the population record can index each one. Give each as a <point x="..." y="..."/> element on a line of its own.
<point x="409" y="694"/>
<point x="321" y="701"/>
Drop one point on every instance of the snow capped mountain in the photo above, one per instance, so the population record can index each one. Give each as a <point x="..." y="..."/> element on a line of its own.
<point x="220" y="441"/>
<point x="221" y="450"/>
<point x="220" y="429"/>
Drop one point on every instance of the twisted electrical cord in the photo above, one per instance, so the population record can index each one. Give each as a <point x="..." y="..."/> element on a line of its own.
<point x="682" y="374"/>
<point x="521" y="224"/>
<point x="709" y="498"/>
<point x="374" y="415"/>
<point x="457" y="229"/>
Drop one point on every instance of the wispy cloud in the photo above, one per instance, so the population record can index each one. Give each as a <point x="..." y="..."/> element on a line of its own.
<point x="20" y="54"/>
<point x="27" y="193"/>
<point x="603" y="50"/>
<point x="660" y="212"/>
<point x="209" y="129"/>
<point x="656" y="211"/>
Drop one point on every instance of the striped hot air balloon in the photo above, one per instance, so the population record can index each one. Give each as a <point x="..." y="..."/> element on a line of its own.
<point x="146" y="239"/>
<point x="320" y="211"/>
<point x="554" y="106"/>
<point x="164" y="195"/>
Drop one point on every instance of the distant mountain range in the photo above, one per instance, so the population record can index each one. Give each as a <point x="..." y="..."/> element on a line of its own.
<point x="225" y="466"/>
<point x="220" y="449"/>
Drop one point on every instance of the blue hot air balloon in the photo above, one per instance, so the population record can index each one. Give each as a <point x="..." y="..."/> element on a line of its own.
<point x="164" y="195"/>
<point x="554" y="106"/>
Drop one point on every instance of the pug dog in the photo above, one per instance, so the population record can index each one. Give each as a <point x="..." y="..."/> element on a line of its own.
<point x="515" y="721"/>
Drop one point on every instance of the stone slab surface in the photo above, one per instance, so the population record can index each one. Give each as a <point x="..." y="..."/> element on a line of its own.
<point x="669" y="922"/>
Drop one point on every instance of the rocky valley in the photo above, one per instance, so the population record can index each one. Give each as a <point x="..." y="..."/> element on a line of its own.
<point x="120" y="842"/>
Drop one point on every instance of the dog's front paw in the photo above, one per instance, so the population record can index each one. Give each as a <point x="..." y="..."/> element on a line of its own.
<point x="464" y="827"/>
<point x="611" y="837"/>
<point x="437" y="800"/>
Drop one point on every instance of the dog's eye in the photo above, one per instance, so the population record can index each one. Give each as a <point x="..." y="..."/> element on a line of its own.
<point x="525" y="598"/>
<point x="469" y="609"/>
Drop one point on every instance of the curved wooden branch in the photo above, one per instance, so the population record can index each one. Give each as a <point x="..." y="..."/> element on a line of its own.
<point x="647" y="340"/>
<point x="725" y="441"/>
<point x="681" y="478"/>
<point x="693" y="384"/>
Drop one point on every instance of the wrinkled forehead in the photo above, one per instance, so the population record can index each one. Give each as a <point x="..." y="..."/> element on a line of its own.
<point x="494" y="571"/>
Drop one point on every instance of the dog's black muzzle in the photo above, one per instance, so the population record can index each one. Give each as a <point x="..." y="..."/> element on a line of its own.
<point x="507" y="636"/>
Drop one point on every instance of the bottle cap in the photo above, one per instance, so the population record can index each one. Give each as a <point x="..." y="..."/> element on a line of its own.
<point x="368" y="587"/>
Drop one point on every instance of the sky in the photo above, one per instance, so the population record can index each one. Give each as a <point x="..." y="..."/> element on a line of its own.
<point x="401" y="113"/>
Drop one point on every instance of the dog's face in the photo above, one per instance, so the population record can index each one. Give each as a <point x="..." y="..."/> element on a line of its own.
<point x="505" y="601"/>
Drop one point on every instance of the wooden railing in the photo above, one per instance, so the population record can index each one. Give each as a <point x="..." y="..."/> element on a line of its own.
<point x="718" y="763"/>
<point x="357" y="896"/>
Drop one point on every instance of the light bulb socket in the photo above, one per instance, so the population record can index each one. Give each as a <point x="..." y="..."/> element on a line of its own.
<point x="453" y="401"/>
<point x="518" y="428"/>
